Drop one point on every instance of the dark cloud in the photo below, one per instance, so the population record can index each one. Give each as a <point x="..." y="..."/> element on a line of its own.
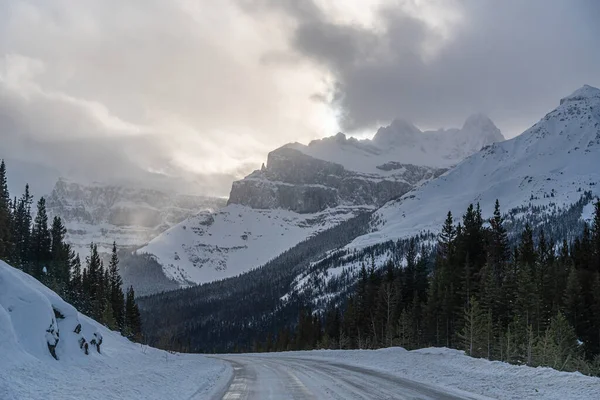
<point x="510" y="59"/>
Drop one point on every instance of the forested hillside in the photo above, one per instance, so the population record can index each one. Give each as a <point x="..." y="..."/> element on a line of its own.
<point x="38" y="248"/>
<point x="533" y="303"/>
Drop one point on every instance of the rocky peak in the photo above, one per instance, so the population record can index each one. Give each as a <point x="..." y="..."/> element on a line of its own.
<point x="584" y="93"/>
<point x="480" y="128"/>
<point x="398" y="132"/>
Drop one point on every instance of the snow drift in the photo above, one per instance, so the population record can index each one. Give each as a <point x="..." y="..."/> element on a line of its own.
<point x="43" y="353"/>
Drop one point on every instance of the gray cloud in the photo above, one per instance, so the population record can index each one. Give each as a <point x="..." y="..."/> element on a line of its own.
<point x="195" y="93"/>
<point x="111" y="90"/>
<point x="510" y="59"/>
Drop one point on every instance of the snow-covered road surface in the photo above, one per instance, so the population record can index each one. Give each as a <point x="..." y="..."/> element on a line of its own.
<point x="286" y="377"/>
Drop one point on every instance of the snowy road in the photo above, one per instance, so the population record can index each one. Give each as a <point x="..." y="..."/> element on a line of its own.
<point x="287" y="377"/>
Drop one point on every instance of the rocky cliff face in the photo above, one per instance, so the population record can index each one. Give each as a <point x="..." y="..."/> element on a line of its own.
<point x="131" y="216"/>
<point x="298" y="182"/>
<point x="341" y="171"/>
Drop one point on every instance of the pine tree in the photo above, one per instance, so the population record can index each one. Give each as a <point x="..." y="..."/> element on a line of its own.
<point x="61" y="257"/>
<point x="573" y="301"/>
<point x="41" y="243"/>
<point x="5" y="216"/>
<point x="133" y="323"/>
<point x="475" y="335"/>
<point x="595" y="237"/>
<point x="558" y="348"/>
<point x="76" y="285"/>
<point x="498" y="250"/>
<point x="116" y="291"/>
<point x="21" y="231"/>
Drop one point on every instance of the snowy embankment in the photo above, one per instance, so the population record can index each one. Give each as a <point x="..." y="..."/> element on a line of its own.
<point x="452" y="369"/>
<point x="35" y="321"/>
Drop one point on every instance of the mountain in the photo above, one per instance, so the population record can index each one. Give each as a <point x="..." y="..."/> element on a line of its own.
<point x="550" y="164"/>
<point x="304" y="190"/>
<point x="547" y="177"/>
<point x="130" y="216"/>
<point x="402" y="142"/>
<point x="43" y="341"/>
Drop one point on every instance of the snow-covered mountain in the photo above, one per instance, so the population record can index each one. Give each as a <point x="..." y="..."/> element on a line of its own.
<point x="403" y="143"/>
<point x="304" y="190"/>
<point x="35" y="321"/>
<point x="551" y="163"/>
<point x="131" y="216"/>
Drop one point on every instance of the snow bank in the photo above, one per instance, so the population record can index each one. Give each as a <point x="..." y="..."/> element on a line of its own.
<point x="452" y="369"/>
<point x="32" y="317"/>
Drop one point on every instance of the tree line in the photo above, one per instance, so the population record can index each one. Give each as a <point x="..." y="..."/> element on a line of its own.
<point x="536" y="302"/>
<point x="39" y="249"/>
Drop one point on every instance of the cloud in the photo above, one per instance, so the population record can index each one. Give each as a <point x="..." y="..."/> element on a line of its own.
<point x="435" y="62"/>
<point x="195" y="93"/>
<point x="130" y="89"/>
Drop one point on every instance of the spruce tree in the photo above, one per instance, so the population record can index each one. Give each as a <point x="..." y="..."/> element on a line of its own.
<point x="5" y="216"/>
<point x="61" y="256"/>
<point x="595" y="237"/>
<point x="133" y="323"/>
<point x="475" y="335"/>
<point x="498" y="250"/>
<point x="21" y="231"/>
<point x="573" y="301"/>
<point x="41" y="242"/>
<point x="76" y="285"/>
<point x="116" y="291"/>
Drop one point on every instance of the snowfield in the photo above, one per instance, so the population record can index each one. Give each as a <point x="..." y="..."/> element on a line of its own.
<point x="32" y="316"/>
<point x="123" y="370"/>
<point x="235" y="239"/>
<point x="553" y="162"/>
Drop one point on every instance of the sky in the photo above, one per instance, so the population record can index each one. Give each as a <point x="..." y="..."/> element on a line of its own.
<point x="189" y="95"/>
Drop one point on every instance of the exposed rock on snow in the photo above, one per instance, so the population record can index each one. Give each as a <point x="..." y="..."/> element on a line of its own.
<point x="552" y="162"/>
<point x="44" y="353"/>
<point x="131" y="216"/>
<point x="305" y="189"/>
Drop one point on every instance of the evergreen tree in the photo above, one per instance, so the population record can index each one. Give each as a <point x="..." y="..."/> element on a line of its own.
<point x="76" y="285"/>
<point x="21" y="231"/>
<point x="595" y="237"/>
<point x="61" y="257"/>
<point x="474" y="335"/>
<point x="498" y="249"/>
<point x="573" y="301"/>
<point x="558" y="348"/>
<point x="116" y="291"/>
<point x="5" y="216"/>
<point x="133" y="323"/>
<point x="41" y="242"/>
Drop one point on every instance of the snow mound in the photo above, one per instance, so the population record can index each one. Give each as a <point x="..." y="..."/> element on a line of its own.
<point x="35" y="322"/>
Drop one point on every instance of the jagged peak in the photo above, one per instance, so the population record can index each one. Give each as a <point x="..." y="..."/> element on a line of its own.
<point x="403" y="126"/>
<point x="478" y="120"/>
<point x="481" y="125"/>
<point x="586" y="92"/>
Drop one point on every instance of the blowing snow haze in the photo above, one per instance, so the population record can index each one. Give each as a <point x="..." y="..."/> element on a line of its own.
<point x="192" y="95"/>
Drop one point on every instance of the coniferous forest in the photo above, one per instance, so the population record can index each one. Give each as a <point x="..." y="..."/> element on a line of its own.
<point x="524" y="298"/>
<point x="535" y="303"/>
<point x="38" y="247"/>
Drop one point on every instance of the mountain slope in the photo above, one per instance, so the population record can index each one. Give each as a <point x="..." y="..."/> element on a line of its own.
<point x="33" y="319"/>
<point x="304" y="190"/>
<point x="132" y="216"/>
<point x="551" y="163"/>
<point x="404" y="143"/>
